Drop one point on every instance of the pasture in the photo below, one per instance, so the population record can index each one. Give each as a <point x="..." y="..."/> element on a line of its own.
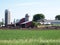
<point x="29" y="37"/>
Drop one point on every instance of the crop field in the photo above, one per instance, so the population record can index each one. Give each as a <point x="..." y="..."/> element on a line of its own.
<point x="29" y="37"/>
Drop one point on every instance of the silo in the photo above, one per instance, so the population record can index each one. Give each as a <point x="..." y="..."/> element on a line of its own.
<point x="7" y="17"/>
<point x="26" y="17"/>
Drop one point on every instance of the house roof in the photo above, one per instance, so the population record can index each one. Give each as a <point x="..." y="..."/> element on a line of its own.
<point x="52" y="20"/>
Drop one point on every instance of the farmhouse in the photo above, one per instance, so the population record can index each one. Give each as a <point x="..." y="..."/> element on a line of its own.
<point x="52" y="22"/>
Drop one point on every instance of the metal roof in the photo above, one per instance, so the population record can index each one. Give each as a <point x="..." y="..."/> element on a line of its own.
<point x="48" y="20"/>
<point x="25" y="22"/>
<point x="52" y="20"/>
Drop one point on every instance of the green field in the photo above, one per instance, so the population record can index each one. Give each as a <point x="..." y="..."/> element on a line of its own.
<point x="29" y="37"/>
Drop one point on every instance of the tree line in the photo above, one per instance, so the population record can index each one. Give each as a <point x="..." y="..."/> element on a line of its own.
<point x="37" y="17"/>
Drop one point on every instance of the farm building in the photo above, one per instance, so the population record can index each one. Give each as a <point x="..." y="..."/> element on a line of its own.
<point x="53" y="22"/>
<point x="24" y="22"/>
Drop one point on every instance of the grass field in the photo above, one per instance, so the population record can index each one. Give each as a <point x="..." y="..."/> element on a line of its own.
<point x="29" y="37"/>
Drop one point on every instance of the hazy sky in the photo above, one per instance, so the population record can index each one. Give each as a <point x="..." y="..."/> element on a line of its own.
<point x="18" y="8"/>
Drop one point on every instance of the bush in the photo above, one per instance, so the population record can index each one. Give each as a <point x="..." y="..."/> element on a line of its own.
<point x="35" y="24"/>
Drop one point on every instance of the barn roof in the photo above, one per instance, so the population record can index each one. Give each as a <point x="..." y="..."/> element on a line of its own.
<point x="25" y="22"/>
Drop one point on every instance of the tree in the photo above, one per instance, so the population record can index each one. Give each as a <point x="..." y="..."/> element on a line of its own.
<point x="57" y="17"/>
<point x="38" y="17"/>
<point x="35" y="24"/>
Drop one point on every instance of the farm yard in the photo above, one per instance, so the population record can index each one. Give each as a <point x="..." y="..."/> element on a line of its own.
<point x="29" y="37"/>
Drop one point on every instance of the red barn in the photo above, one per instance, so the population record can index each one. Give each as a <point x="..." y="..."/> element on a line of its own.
<point x="26" y="24"/>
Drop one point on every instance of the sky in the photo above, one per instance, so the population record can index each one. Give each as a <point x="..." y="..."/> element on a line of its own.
<point x="18" y="8"/>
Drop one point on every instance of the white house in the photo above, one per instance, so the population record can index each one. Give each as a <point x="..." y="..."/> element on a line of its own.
<point x="53" y="22"/>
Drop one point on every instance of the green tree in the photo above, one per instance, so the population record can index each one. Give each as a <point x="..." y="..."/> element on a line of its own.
<point x="1" y="23"/>
<point x="57" y="17"/>
<point x="35" y="24"/>
<point x="38" y="17"/>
